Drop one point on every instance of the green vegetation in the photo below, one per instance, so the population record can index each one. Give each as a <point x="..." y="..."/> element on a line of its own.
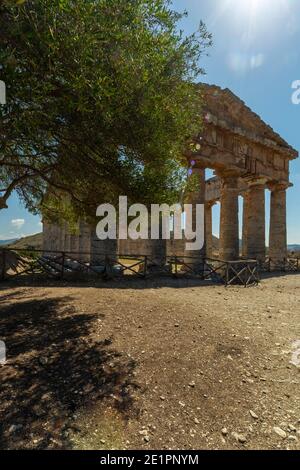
<point x="101" y="102"/>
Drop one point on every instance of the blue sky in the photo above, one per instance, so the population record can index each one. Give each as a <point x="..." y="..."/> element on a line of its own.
<point x="256" y="54"/>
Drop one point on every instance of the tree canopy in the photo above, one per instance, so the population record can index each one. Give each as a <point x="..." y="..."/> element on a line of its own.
<point x="100" y="101"/>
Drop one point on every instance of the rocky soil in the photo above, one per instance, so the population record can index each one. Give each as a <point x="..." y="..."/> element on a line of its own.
<point x="151" y="365"/>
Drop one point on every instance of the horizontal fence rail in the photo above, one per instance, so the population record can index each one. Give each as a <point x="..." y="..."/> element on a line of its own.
<point x="15" y="263"/>
<point x="288" y="265"/>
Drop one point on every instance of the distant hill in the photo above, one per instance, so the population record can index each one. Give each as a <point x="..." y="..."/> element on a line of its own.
<point x="216" y="243"/>
<point x="294" y="247"/>
<point x="33" y="241"/>
<point x="7" y="242"/>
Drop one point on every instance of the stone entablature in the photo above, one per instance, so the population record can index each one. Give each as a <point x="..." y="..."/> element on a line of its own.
<point x="230" y="113"/>
<point x="234" y="138"/>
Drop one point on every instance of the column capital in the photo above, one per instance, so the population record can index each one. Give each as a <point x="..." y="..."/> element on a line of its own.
<point x="229" y="179"/>
<point x="276" y="186"/>
<point x="225" y="174"/>
<point x="230" y="183"/>
<point x="253" y="182"/>
<point x="210" y="203"/>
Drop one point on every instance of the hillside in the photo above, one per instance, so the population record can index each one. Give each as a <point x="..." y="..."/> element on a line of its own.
<point x="33" y="241"/>
<point x="8" y="242"/>
<point x="294" y="248"/>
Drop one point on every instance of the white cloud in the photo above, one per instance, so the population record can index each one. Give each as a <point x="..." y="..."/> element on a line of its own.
<point x="257" y="61"/>
<point x="242" y="63"/>
<point x="17" y="223"/>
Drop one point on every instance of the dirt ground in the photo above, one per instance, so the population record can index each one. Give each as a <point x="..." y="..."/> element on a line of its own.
<point x="162" y="364"/>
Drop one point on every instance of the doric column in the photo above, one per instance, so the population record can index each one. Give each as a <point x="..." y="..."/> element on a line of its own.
<point x="196" y="197"/>
<point x="254" y="230"/>
<point x="57" y="239"/>
<point x="245" y="224"/>
<point x="101" y="248"/>
<point x="158" y="248"/>
<point x="62" y="236"/>
<point x="278" y="230"/>
<point x="56" y="234"/>
<point x="229" y="224"/>
<point x="74" y="240"/>
<point x="53" y="238"/>
<point x="84" y="241"/>
<point x="67" y="238"/>
<point x="50" y="237"/>
<point x="208" y="228"/>
<point x="74" y="244"/>
<point x="46" y="236"/>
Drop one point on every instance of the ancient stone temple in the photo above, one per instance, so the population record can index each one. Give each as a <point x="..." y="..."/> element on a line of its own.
<point x="248" y="158"/>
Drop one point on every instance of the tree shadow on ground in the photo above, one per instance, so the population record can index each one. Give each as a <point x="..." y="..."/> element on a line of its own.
<point x="54" y="367"/>
<point x="10" y="295"/>
<point x="122" y="283"/>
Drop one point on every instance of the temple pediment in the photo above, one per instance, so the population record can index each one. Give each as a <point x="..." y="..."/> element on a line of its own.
<point x="232" y="138"/>
<point x="227" y="111"/>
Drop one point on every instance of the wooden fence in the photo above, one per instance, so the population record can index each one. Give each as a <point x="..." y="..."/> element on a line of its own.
<point x="69" y="265"/>
<point x="290" y="264"/>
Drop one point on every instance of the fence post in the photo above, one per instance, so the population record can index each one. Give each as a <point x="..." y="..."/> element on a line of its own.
<point x="145" y="265"/>
<point x="258" y="275"/>
<point x="3" y="270"/>
<point x="108" y="268"/>
<point x="227" y="274"/>
<point x="203" y="268"/>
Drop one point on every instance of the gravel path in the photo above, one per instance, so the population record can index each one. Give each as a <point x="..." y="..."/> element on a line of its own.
<point x="142" y="365"/>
